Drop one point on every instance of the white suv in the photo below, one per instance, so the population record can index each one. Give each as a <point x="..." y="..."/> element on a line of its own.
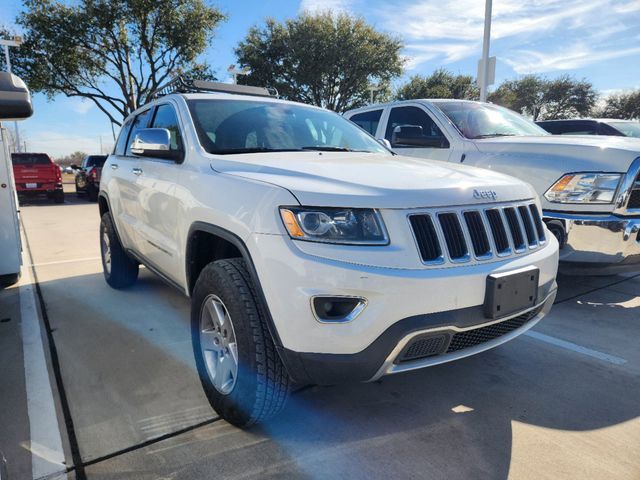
<point x="311" y="253"/>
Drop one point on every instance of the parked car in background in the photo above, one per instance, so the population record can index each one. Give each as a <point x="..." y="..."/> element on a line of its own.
<point x="310" y="252"/>
<point x="36" y="174"/>
<point x="590" y="186"/>
<point x="587" y="126"/>
<point x="15" y="104"/>
<point x="88" y="176"/>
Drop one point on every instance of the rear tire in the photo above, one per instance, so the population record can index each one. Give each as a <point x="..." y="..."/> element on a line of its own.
<point x="92" y="193"/>
<point x="260" y="386"/>
<point x="120" y="271"/>
<point x="58" y="196"/>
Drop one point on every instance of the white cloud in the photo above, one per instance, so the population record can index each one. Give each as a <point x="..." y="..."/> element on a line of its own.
<point x="522" y="31"/>
<point x="81" y="106"/>
<point x="524" y="61"/>
<point x="314" y="6"/>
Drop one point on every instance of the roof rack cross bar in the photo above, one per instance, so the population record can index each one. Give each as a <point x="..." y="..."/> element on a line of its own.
<point x="182" y="85"/>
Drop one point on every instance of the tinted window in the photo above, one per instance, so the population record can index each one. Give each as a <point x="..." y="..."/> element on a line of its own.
<point x="94" y="161"/>
<point x="571" y="128"/>
<point x="368" y="121"/>
<point x="121" y="144"/>
<point x="241" y="126"/>
<point x="411" y="116"/>
<point x="630" y="129"/>
<point x="30" y="159"/>
<point x="141" y="121"/>
<point x="166" y="117"/>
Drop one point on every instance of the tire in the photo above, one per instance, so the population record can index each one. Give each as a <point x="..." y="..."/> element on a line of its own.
<point x="92" y="193"/>
<point x="119" y="270"/>
<point x="261" y="385"/>
<point x="58" y="196"/>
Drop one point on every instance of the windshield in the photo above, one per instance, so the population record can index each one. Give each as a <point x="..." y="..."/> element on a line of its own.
<point x="244" y="126"/>
<point x="482" y="120"/>
<point x="630" y="129"/>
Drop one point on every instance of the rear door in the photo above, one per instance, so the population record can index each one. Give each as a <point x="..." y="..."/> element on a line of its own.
<point x="10" y="246"/>
<point x="121" y="186"/>
<point x="158" y="204"/>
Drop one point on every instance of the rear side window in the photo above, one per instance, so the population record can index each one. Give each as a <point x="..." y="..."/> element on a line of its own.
<point x="140" y="122"/>
<point x="121" y="144"/>
<point x="368" y="121"/>
<point x="95" y="161"/>
<point x="561" y="128"/>
<point x="166" y="117"/>
<point x="30" y="159"/>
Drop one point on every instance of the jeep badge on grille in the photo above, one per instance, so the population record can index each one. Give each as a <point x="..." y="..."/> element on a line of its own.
<point x="485" y="194"/>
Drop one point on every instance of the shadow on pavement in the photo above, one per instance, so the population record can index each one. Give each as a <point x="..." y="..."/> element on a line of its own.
<point x="128" y="371"/>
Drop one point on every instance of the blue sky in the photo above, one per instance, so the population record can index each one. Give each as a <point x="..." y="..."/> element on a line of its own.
<point x="596" y="39"/>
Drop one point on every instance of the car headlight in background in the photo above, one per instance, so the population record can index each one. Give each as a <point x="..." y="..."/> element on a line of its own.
<point x="362" y="226"/>
<point x="585" y="188"/>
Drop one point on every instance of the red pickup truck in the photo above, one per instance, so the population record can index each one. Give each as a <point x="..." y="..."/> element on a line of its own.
<point x="35" y="173"/>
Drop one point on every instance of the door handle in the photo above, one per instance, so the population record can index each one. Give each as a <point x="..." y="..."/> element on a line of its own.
<point x="114" y="166"/>
<point x="137" y="171"/>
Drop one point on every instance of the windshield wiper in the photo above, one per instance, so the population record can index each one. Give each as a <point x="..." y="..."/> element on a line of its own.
<point x="491" y="135"/>
<point x="328" y="148"/>
<point x="230" y="151"/>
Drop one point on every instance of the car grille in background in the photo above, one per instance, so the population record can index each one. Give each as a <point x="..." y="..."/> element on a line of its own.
<point x="428" y="345"/>
<point x="634" y="198"/>
<point x="496" y="230"/>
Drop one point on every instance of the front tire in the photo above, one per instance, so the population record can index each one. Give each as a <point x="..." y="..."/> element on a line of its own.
<point x="239" y="368"/>
<point x="119" y="270"/>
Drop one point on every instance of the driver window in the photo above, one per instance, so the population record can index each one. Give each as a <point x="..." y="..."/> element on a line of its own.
<point x="166" y="117"/>
<point x="414" y="117"/>
<point x="141" y="121"/>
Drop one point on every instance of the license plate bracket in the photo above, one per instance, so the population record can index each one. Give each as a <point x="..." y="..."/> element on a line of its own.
<point x="31" y="185"/>
<point x="510" y="292"/>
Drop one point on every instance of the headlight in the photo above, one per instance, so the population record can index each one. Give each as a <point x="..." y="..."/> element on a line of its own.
<point x="584" y="188"/>
<point x="360" y="226"/>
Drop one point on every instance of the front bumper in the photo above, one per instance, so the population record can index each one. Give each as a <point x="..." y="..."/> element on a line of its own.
<point x="602" y="243"/>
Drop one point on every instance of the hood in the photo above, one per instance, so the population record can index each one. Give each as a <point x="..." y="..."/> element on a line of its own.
<point x="579" y="153"/>
<point x="349" y="179"/>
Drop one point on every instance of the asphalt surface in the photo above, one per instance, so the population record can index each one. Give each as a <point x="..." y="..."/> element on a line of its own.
<point x="561" y="402"/>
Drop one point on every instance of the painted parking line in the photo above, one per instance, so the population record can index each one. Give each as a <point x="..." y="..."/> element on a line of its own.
<point x="60" y="262"/>
<point x="47" y="455"/>
<point x="605" y="357"/>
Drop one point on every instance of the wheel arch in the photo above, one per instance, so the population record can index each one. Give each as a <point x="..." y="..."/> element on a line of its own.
<point x="227" y="245"/>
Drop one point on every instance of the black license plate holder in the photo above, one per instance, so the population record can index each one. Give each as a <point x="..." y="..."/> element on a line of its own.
<point x="510" y="292"/>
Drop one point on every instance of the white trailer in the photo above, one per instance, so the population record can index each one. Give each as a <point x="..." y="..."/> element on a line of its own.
<point x="15" y="104"/>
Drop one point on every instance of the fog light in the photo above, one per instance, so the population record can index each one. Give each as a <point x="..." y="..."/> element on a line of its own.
<point x="337" y="309"/>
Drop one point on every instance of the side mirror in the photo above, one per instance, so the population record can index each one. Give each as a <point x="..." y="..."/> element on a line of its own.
<point x="413" y="136"/>
<point x="384" y="142"/>
<point x="154" y="142"/>
<point x="15" y="100"/>
<point x="74" y="166"/>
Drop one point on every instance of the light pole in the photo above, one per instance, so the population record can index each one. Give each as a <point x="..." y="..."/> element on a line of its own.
<point x="235" y="72"/>
<point x="15" y="42"/>
<point x="484" y="69"/>
<point x="372" y="89"/>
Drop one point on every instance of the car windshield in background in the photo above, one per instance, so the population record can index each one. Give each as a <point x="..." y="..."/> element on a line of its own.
<point x="630" y="129"/>
<point x="29" y="159"/>
<point x="244" y="126"/>
<point x="476" y="120"/>
<point x="96" y="160"/>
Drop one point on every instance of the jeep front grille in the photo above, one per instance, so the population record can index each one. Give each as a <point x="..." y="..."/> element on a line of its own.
<point x="458" y="236"/>
<point x="634" y="196"/>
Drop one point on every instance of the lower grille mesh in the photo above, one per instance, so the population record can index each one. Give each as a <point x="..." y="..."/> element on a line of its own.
<point x="471" y="338"/>
<point x="430" y="345"/>
<point x="634" y="199"/>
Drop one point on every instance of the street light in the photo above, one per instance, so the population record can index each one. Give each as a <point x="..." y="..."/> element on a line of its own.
<point x="486" y="66"/>
<point x="372" y="89"/>
<point x="6" y="43"/>
<point x="235" y="72"/>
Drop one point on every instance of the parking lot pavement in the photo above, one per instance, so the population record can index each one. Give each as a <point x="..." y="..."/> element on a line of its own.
<point x="560" y="402"/>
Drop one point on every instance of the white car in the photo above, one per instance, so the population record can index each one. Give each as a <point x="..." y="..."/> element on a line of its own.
<point x="590" y="186"/>
<point x="310" y="252"/>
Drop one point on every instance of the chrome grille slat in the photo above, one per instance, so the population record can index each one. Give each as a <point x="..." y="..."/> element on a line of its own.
<point x="480" y="233"/>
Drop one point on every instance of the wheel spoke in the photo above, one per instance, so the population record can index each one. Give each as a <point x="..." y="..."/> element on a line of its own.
<point x="210" y="340"/>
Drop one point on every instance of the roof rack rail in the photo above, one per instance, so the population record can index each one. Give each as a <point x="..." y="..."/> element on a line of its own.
<point x="185" y="85"/>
